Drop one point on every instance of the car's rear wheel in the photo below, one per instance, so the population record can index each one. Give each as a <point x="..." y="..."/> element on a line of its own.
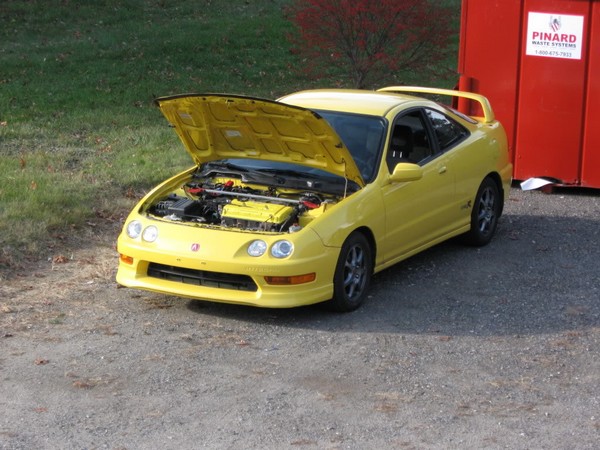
<point x="485" y="214"/>
<point x="352" y="274"/>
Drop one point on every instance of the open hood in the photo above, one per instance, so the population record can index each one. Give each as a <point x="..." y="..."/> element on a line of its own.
<point x="220" y="126"/>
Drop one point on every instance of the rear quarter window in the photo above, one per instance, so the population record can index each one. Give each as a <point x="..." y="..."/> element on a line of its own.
<point x="447" y="131"/>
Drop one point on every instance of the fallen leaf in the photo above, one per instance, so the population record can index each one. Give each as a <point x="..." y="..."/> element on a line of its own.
<point x="41" y="362"/>
<point x="130" y="193"/>
<point x="60" y="259"/>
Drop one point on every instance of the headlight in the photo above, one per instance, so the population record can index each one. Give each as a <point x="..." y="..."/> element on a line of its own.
<point x="134" y="229"/>
<point x="150" y="233"/>
<point x="282" y="249"/>
<point x="257" y="248"/>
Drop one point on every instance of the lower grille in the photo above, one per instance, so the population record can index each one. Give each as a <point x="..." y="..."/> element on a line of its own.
<point x="202" y="277"/>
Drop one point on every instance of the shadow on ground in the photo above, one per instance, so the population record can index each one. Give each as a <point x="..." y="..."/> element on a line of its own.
<point x="539" y="275"/>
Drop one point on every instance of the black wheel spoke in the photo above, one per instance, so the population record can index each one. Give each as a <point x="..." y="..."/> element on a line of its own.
<point x="487" y="215"/>
<point x="352" y="274"/>
<point x="484" y="217"/>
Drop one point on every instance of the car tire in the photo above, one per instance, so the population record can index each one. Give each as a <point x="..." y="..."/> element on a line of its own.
<point x="352" y="274"/>
<point x="485" y="214"/>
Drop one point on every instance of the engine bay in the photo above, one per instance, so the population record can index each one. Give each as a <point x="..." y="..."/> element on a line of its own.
<point x="232" y="202"/>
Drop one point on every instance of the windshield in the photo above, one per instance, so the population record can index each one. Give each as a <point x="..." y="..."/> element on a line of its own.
<point x="363" y="135"/>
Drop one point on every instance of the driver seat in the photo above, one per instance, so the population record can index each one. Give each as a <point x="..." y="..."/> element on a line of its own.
<point x="401" y="146"/>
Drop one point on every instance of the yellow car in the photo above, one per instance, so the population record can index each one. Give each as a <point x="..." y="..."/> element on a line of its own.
<point x="301" y="200"/>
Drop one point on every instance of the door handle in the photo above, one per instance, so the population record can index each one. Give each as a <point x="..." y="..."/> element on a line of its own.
<point x="442" y="169"/>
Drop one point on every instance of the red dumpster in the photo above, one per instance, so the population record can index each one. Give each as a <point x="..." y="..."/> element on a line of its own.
<point x="538" y="61"/>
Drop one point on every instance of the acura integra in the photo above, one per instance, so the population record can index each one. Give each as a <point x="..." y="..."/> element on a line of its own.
<point x="301" y="200"/>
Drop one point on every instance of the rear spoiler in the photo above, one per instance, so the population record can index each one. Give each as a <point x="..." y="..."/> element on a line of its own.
<point x="488" y="113"/>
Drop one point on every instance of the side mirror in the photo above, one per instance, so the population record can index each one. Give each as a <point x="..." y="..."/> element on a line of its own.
<point x="406" y="172"/>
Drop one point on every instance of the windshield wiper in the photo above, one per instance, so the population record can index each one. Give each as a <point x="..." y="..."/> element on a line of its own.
<point x="286" y="173"/>
<point x="246" y="174"/>
<point x="223" y="165"/>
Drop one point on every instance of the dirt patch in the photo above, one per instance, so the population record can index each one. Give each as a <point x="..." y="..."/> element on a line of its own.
<point x="496" y="347"/>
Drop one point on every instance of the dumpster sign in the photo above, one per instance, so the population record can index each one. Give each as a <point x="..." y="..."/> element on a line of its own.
<point x="554" y="35"/>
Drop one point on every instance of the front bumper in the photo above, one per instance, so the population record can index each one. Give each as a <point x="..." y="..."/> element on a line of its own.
<point x="213" y="265"/>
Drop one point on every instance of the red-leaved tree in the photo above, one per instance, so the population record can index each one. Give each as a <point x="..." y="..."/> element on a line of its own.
<point x="371" y="40"/>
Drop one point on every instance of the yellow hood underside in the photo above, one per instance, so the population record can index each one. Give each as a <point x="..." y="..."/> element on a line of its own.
<point x="214" y="127"/>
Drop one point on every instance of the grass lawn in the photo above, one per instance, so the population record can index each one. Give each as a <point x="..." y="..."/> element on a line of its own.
<point x="79" y="135"/>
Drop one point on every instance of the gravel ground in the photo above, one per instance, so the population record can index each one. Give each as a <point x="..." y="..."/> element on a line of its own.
<point x="496" y="347"/>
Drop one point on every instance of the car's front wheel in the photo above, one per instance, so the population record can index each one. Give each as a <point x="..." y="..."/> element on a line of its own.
<point x="352" y="274"/>
<point x="485" y="214"/>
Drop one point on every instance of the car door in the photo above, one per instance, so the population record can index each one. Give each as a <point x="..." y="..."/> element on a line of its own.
<point x="464" y="158"/>
<point x="417" y="212"/>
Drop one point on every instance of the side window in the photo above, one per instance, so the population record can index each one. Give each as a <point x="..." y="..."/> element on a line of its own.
<point x="408" y="141"/>
<point x="447" y="131"/>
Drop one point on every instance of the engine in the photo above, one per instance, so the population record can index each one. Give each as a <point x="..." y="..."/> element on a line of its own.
<point x="232" y="204"/>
